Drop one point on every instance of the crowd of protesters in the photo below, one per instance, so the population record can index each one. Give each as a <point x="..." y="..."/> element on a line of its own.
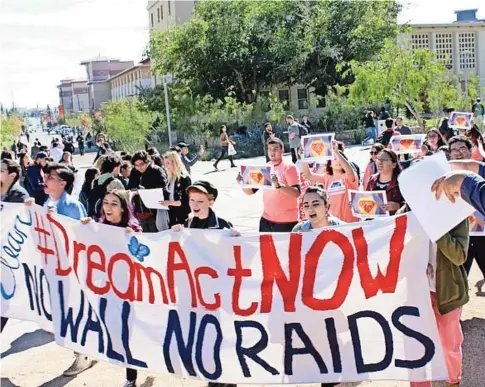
<point x="302" y="198"/>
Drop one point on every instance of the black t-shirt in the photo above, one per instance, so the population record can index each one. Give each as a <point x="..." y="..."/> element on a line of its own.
<point x="199" y="223"/>
<point x="380" y="186"/>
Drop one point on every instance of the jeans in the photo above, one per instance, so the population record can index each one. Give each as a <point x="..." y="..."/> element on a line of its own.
<point x="371" y="134"/>
<point x="224" y="150"/>
<point x="267" y="226"/>
<point x="476" y="250"/>
<point x="294" y="156"/>
<point x="451" y="337"/>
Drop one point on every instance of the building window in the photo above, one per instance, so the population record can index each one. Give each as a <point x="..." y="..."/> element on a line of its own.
<point x="161" y="12"/>
<point x="151" y="19"/>
<point x="444" y="48"/>
<point x="419" y="41"/>
<point x="284" y="97"/>
<point x="302" y="98"/>
<point x="169" y="8"/>
<point x="466" y="48"/>
<point x="158" y="14"/>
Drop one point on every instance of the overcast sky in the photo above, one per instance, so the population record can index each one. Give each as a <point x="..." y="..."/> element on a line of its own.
<point x="43" y="41"/>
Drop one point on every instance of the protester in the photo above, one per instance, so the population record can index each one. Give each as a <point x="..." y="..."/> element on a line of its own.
<point x="294" y="136"/>
<point x="11" y="192"/>
<point x="34" y="180"/>
<point x="175" y="193"/>
<point x="449" y="292"/>
<point x="89" y="140"/>
<point x="388" y="170"/>
<point x="5" y="154"/>
<point x="67" y="160"/>
<point x="401" y="128"/>
<point x="117" y="212"/>
<point x="304" y="184"/>
<point x="125" y="170"/>
<point x="89" y="176"/>
<point x="280" y="204"/>
<point x="340" y="176"/>
<point x="476" y="139"/>
<point x="316" y="208"/>
<point x="102" y="144"/>
<point x="371" y="167"/>
<point x="34" y="149"/>
<point x="58" y="180"/>
<point x="370" y="127"/>
<point x="444" y="129"/>
<point x="185" y="158"/>
<point x="386" y="135"/>
<point x="307" y="124"/>
<point x="434" y="140"/>
<point x="110" y="169"/>
<point x="384" y="114"/>
<point x="56" y="152"/>
<point x="478" y="111"/>
<point x="14" y="148"/>
<point x="145" y="175"/>
<point x="80" y="144"/>
<point x="224" y="142"/>
<point x="266" y="136"/>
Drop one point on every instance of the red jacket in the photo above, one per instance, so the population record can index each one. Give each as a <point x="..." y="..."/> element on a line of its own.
<point x="393" y="192"/>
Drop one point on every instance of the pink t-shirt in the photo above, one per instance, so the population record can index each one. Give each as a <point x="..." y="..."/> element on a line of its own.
<point x="278" y="206"/>
<point x="476" y="155"/>
<point x="337" y="187"/>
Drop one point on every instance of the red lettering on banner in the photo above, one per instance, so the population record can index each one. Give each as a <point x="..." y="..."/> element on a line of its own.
<point x="205" y="270"/>
<point x="273" y="273"/>
<point x="148" y="271"/>
<point x="387" y="283"/>
<point x="238" y="273"/>
<point x="311" y="263"/>
<point x="78" y="248"/>
<point x="129" y="293"/>
<point x="42" y="233"/>
<point x="174" y="248"/>
<point x="92" y="266"/>
<point x="52" y="221"/>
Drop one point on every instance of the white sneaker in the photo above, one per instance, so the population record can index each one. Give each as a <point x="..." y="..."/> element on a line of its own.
<point x="81" y="363"/>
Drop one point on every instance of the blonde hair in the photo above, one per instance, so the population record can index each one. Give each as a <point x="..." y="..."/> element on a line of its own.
<point x="115" y="185"/>
<point x="179" y="167"/>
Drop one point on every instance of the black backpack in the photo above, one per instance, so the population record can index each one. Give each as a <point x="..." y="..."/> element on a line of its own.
<point x="96" y="196"/>
<point x="303" y="131"/>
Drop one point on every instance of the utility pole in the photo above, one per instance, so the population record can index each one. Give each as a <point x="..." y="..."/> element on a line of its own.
<point x="167" y="109"/>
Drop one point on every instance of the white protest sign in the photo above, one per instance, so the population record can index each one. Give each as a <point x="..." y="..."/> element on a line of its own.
<point x="152" y="197"/>
<point x="345" y="304"/>
<point x="437" y="217"/>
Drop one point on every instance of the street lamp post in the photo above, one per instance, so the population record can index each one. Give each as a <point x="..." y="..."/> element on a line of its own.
<point x="166" y="79"/>
<point x="466" y="54"/>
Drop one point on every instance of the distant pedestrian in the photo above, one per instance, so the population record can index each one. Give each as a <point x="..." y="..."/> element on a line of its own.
<point x="307" y="124"/>
<point x="225" y="142"/>
<point x="401" y="128"/>
<point x="6" y="154"/>
<point x="267" y="135"/>
<point x="478" y="111"/>
<point x="80" y="144"/>
<point x="184" y="148"/>
<point x="294" y="137"/>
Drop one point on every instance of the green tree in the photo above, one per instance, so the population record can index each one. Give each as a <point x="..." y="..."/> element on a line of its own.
<point x="415" y="80"/>
<point x="127" y="123"/>
<point x="10" y="129"/>
<point x="246" y="46"/>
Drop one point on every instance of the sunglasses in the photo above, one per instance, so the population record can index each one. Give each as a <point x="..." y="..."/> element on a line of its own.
<point x="373" y="153"/>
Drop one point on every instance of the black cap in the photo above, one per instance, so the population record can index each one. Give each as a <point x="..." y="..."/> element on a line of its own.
<point x="449" y="110"/>
<point x="205" y="187"/>
<point x="182" y="145"/>
<point x="175" y="149"/>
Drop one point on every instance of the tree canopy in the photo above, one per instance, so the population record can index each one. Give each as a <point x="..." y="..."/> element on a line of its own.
<point x="246" y="46"/>
<point x="414" y="79"/>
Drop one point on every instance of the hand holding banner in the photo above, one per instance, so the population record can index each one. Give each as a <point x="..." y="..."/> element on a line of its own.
<point x="318" y="147"/>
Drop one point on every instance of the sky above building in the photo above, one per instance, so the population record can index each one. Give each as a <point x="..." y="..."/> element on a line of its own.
<point x="42" y="42"/>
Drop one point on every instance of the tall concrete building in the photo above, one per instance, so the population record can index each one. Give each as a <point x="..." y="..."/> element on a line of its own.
<point x="459" y="44"/>
<point x="99" y="71"/>
<point x="128" y="83"/>
<point x="73" y="95"/>
<point x="168" y="13"/>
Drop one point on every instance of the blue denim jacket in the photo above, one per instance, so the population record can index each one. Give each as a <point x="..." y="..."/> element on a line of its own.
<point x="70" y="207"/>
<point x="473" y="189"/>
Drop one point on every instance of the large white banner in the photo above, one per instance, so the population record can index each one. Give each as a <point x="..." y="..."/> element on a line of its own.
<point x="345" y="304"/>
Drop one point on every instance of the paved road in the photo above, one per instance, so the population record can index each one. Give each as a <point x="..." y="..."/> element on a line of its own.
<point x="31" y="358"/>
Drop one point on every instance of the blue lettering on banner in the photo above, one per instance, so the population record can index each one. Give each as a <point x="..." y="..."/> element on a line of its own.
<point x="209" y="319"/>
<point x="35" y="288"/>
<point x="252" y="352"/>
<point x="95" y="326"/>
<point x="12" y="248"/>
<point x="354" y="332"/>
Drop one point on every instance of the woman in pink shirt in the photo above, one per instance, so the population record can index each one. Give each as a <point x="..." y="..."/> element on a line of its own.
<point x="338" y="179"/>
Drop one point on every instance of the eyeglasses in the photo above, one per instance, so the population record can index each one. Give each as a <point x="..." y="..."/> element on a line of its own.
<point x="461" y="149"/>
<point x="382" y="160"/>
